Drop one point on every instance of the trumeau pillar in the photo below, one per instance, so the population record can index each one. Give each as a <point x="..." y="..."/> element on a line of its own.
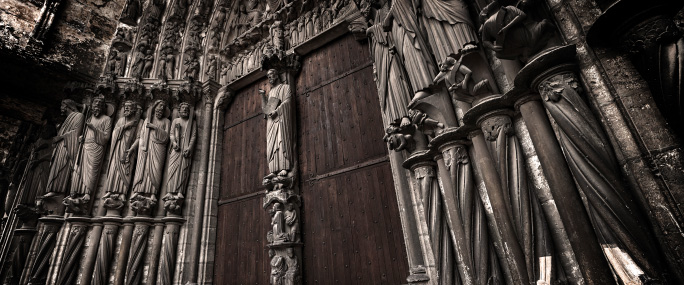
<point x="282" y="199"/>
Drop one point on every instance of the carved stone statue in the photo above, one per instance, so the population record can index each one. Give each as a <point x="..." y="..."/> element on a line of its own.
<point x="182" y="137"/>
<point x="94" y="140"/>
<point x="215" y="28"/>
<point x="292" y="274"/>
<point x="132" y="12"/>
<point x="151" y="146"/>
<point x="149" y="62"/>
<point x="511" y="35"/>
<point x="38" y="167"/>
<point x="278" y="268"/>
<point x="66" y="148"/>
<point x="211" y="67"/>
<point x="448" y="26"/>
<point x="139" y="63"/>
<point x="121" y="161"/>
<point x="393" y="89"/>
<point x="410" y="44"/>
<point x="292" y="221"/>
<point x="191" y="69"/>
<point x="278" y="224"/>
<point x="276" y="33"/>
<point x="309" y="25"/>
<point x="278" y="109"/>
<point x="114" y="62"/>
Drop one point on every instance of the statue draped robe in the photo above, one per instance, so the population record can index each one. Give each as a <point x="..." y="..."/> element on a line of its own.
<point x="448" y="26"/>
<point x="151" y="156"/>
<point x="178" y="170"/>
<point x="279" y="130"/>
<point x="393" y="88"/>
<point x="120" y="174"/>
<point x="64" y="155"/>
<point x="92" y="155"/>
<point x="411" y="46"/>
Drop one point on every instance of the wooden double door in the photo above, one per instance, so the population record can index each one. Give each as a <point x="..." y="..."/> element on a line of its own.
<point x="350" y="221"/>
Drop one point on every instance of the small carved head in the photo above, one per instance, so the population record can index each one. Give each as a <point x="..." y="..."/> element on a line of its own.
<point x="159" y="108"/>
<point x="128" y="108"/>
<point x="277" y="207"/>
<point x="68" y="106"/>
<point x="272" y="75"/>
<point x="271" y="253"/>
<point x="290" y="252"/>
<point x="98" y="105"/>
<point x="184" y="110"/>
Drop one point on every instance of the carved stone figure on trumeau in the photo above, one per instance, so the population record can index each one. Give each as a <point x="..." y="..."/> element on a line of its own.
<point x="278" y="109"/>
<point x="278" y="224"/>
<point x="151" y="146"/>
<point x="292" y="221"/>
<point x="292" y="274"/>
<point x="278" y="268"/>
<point x="66" y="148"/>
<point x="121" y="161"/>
<point x="183" y="135"/>
<point x="89" y="162"/>
<point x="511" y="35"/>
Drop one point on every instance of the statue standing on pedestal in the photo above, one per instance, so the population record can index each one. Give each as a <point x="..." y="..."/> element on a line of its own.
<point x="182" y="137"/>
<point x="154" y="137"/>
<point x="121" y="161"/>
<point x="87" y="170"/>
<point x="66" y="148"/>
<point x="278" y="109"/>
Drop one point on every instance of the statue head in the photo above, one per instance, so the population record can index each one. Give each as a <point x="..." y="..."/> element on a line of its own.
<point x="68" y="106"/>
<point x="277" y="207"/>
<point x="271" y="253"/>
<point x="184" y="110"/>
<point x="159" y="108"/>
<point x="272" y="75"/>
<point x="97" y="106"/>
<point x="290" y="252"/>
<point x="128" y="108"/>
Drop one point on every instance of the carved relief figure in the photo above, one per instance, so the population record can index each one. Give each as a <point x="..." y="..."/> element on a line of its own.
<point x="278" y="224"/>
<point x="121" y="160"/>
<point x="309" y="25"/>
<point x="276" y="33"/>
<point x="278" y="268"/>
<point x="139" y="63"/>
<point x="66" y="148"/>
<point x="149" y="62"/>
<point x="215" y="28"/>
<point x="278" y="109"/>
<point x="95" y="138"/>
<point x="292" y="222"/>
<point x="183" y="135"/>
<point x="151" y="146"/>
<point x="211" y="68"/>
<point x="292" y="274"/>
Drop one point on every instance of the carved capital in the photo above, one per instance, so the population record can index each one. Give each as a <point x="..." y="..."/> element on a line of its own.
<point x="551" y="88"/>
<point x="495" y="125"/>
